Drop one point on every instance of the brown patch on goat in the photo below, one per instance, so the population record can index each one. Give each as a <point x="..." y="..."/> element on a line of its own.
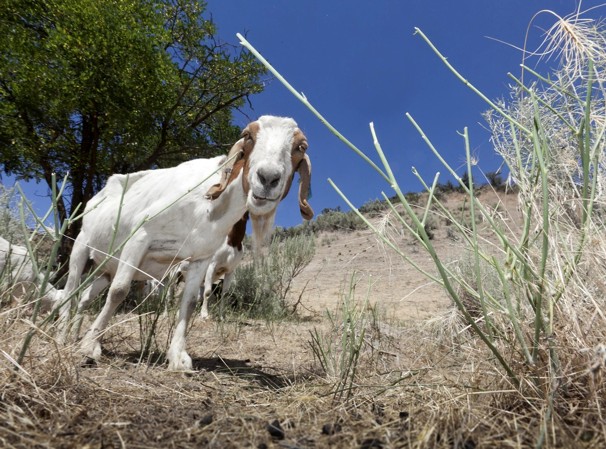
<point x="302" y="164"/>
<point x="250" y="139"/>
<point x="220" y="208"/>
<point x="297" y="153"/>
<point x="230" y="171"/>
<point x="241" y="151"/>
<point x="237" y="233"/>
<point x="304" y="170"/>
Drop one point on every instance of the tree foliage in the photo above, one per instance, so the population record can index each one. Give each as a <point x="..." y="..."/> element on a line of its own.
<point x="92" y="88"/>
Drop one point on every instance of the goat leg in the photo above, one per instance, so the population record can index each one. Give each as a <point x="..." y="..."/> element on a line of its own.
<point x="178" y="358"/>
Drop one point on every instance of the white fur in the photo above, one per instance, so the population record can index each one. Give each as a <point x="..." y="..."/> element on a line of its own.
<point x="19" y="278"/>
<point x="223" y="264"/>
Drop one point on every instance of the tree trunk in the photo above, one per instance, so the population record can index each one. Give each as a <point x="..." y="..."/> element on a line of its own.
<point x="83" y="189"/>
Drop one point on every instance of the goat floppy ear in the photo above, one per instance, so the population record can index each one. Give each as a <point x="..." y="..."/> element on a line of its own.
<point x="304" y="170"/>
<point x="228" y="173"/>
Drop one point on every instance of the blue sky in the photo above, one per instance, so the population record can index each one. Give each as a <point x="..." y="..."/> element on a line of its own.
<point x="358" y="62"/>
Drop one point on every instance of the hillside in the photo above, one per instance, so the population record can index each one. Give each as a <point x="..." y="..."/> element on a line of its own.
<point x="399" y="289"/>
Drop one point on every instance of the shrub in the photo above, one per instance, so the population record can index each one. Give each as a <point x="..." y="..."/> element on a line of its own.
<point x="496" y="180"/>
<point x="262" y="286"/>
<point x="373" y="208"/>
<point x="335" y="220"/>
<point x="446" y="187"/>
<point x="412" y="197"/>
<point x="11" y="228"/>
<point x="281" y="234"/>
<point x="466" y="183"/>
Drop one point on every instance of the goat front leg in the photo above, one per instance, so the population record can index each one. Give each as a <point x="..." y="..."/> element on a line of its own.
<point x="90" y="347"/>
<point x="178" y="358"/>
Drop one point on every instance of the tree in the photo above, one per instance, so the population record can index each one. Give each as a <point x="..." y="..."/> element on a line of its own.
<point x="92" y="88"/>
<point x="495" y="179"/>
<point x="465" y="181"/>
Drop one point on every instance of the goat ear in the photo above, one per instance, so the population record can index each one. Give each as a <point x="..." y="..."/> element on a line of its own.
<point x="304" y="170"/>
<point x="237" y="152"/>
<point x="228" y="174"/>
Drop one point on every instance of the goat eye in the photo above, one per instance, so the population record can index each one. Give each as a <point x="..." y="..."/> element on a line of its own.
<point x="302" y="148"/>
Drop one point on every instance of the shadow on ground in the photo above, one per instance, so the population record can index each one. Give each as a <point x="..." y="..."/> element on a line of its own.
<point x="239" y="368"/>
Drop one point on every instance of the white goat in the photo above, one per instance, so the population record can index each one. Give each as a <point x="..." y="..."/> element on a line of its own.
<point x="151" y="220"/>
<point x="17" y="276"/>
<point x="222" y="265"/>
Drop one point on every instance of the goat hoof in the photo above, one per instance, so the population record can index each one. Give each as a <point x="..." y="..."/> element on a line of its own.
<point x="180" y="362"/>
<point x="88" y="362"/>
<point x="90" y="349"/>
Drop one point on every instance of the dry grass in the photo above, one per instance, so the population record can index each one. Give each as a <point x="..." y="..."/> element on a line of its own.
<point x="419" y="383"/>
<point x="422" y="384"/>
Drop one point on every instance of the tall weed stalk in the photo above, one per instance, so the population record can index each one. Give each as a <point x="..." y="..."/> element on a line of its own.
<point x="536" y="269"/>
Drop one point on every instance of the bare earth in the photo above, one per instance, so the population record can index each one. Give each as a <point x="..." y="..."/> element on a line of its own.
<point x="383" y="276"/>
<point x="380" y="275"/>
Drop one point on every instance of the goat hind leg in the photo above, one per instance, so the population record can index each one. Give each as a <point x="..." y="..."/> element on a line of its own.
<point x="77" y="262"/>
<point x="89" y="294"/>
<point x="131" y="255"/>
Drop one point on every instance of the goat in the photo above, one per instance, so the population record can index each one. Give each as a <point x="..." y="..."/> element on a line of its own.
<point x="149" y="221"/>
<point x="223" y="264"/>
<point x="18" y="276"/>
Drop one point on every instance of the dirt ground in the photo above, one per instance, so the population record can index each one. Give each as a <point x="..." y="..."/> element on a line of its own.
<point x="258" y="384"/>
<point x="381" y="275"/>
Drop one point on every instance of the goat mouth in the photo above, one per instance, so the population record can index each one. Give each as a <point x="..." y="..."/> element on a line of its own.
<point x="263" y="199"/>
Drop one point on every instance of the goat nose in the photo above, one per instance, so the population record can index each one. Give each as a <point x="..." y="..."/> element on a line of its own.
<point x="268" y="178"/>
